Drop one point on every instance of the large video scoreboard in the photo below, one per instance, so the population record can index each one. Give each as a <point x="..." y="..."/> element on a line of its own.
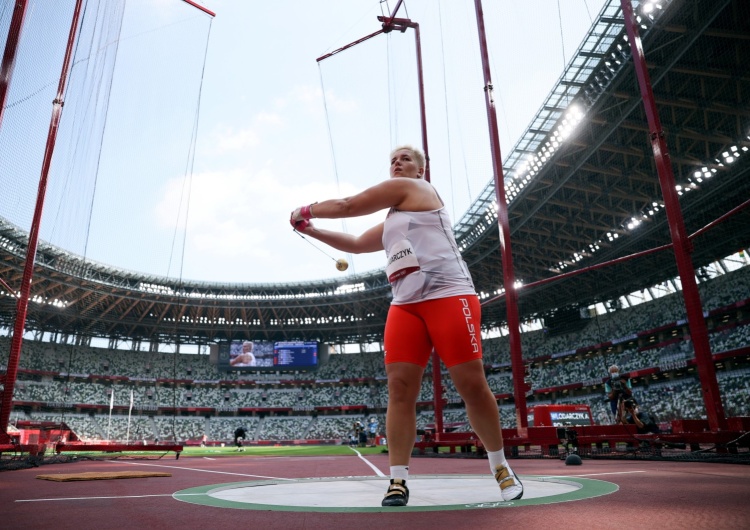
<point x="267" y="355"/>
<point x="295" y="354"/>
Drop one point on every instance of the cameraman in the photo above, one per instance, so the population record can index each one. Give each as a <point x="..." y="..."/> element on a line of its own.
<point x="618" y="388"/>
<point x="240" y="433"/>
<point x="630" y="414"/>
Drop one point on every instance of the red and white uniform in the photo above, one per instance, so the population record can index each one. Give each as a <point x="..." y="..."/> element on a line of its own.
<point x="434" y="301"/>
<point x="424" y="262"/>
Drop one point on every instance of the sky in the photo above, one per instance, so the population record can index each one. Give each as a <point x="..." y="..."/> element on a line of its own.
<point x="216" y="128"/>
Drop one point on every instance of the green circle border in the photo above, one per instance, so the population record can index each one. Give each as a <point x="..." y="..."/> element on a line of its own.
<point x="589" y="488"/>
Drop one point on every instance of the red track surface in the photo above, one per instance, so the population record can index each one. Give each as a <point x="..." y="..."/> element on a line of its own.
<point x="652" y="494"/>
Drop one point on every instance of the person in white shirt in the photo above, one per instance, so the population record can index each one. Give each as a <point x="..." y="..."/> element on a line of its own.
<point x="246" y="358"/>
<point x="434" y="305"/>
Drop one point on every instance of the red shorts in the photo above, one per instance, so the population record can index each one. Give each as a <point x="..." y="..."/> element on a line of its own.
<point x="450" y="325"/>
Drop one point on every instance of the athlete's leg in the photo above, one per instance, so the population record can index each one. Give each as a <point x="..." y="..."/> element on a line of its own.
<point x="407" y="350"/>
<point x="453" y="325"/>
<point x="481" y="407"/>
<point x="404" y="383"/>
<point x="455" y="328"/>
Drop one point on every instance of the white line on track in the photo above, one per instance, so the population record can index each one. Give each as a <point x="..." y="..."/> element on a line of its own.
<point x="207" y="471"/>
<point x="112" y="497"/>
<point x="599" y="474"/>
<point x="372" y="466"/>
<point x="207" y="458"/>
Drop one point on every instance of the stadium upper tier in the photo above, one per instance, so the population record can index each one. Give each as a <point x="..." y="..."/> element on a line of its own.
<point x="582" y="188"/>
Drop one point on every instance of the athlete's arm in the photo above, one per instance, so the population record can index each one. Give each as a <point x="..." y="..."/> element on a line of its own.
<point x="240" y="359"/>
<point x="369" y="241"/>
<point x="388" y="193"/>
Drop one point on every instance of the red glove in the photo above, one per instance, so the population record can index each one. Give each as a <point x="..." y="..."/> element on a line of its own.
<point x="302" y="213"/>
<point x="300" y="226"/>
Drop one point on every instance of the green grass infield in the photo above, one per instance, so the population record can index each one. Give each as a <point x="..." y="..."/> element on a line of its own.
<point x="264" y="450"/>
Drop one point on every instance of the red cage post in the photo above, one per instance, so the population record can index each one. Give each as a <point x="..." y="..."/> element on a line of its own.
<point x="509" y="278"/>
<point x="681" y="244"/>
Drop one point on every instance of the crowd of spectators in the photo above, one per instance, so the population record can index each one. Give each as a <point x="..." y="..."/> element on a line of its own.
<point x="716" y="293"/>
<point x="62" y="376"/>
<point x="178" y="428"/>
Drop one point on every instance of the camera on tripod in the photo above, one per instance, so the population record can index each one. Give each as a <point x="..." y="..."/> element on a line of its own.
<point x="619" y="386"/>
<point x="569" y="438"/>
<point x="567" y="434"/>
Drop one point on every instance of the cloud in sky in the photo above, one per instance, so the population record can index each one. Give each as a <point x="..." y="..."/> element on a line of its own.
<point x="251" y="174"/>
<point x="231" y="140"/>
<point x="312" y="99"/>
<point x="238" y="225"/>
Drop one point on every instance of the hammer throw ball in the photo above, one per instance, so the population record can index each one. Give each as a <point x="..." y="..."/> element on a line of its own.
<point x="341" y="264"/>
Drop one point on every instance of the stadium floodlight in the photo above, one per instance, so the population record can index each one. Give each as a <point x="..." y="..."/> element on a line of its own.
<point x="650" y="7"/>
<point x="633" y="223"/>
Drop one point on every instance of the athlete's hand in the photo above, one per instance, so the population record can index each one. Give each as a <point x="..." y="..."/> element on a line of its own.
<point x="302" y="213"/>
<point x="300" y="226"/>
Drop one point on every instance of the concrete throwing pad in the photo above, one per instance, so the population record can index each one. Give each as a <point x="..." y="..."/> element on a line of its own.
<point x="363" y="494"/>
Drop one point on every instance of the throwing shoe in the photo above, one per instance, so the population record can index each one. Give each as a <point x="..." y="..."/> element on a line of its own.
<point x="511" y="488"/>
<point x="397" y="494"/>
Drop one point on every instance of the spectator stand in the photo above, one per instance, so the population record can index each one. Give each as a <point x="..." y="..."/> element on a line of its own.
<point x="72" y="383"/>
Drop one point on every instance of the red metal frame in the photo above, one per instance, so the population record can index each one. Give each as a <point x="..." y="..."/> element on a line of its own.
<point x="194" y="4"/>
<point x="389" y="24"/>
<point x="118" y="448"/>
<point x="401" y="24"/>
<point x="721" y="219"/>
<point x="23" y="300"/>
<point x="9" y="55"/>
<point x="509" y="277"/>
<point x="681" y="244"/>
<point x="7" y="287"/>
<point x="591" y="439"/>
<point x="584" y="269"/>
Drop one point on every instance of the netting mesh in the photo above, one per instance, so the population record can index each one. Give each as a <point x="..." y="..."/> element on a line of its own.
<point x="130" y="113"/>
<point x="26" y="117"/>
<point x="127" y="131"/>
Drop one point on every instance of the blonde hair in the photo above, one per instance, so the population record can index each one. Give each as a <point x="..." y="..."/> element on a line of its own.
<point x="416" y="153"/>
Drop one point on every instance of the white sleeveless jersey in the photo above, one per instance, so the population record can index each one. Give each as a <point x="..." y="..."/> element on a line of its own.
<point x="423" y="258"/>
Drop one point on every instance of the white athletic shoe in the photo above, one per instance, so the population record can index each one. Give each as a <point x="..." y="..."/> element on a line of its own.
<point x="511" y="488"/>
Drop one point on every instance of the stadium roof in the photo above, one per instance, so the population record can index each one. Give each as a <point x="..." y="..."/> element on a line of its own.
<point x="581" y="182"/>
